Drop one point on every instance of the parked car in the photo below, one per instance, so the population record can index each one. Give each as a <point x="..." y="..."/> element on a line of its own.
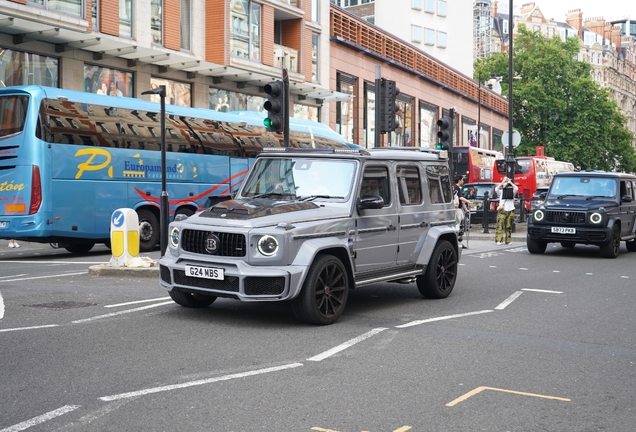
<point x="475" y="193"/>
<point x="307" y="226"/>
<point x="538" y="197"/>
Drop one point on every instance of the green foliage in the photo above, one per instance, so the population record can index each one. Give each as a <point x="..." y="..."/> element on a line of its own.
<point x="558" y="105"/>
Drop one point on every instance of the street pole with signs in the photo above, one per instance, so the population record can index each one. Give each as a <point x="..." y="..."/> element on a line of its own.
<point x="163" y="211"/>
<point x="510" y="159"/>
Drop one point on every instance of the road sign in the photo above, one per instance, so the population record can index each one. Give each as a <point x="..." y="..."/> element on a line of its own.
<point x="516" y="138"/>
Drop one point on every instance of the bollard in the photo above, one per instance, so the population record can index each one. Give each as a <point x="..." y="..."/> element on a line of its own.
<point x="486" y="211"/>
<point x="124" y="236"/>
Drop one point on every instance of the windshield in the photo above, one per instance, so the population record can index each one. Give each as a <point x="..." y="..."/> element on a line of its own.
<point x="583" y="186"/>
<point x="300" y="178"/>
<point x="13" y="111"/>
<point x="477" y="191"/>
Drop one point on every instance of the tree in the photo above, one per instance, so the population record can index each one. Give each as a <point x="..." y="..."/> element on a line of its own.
<point x="558" y="105"/>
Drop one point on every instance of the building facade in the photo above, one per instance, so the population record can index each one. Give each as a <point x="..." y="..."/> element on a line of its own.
<point x="428" y="89"/>
<point x="432" y="26"/>
<point x="209" y="53"/>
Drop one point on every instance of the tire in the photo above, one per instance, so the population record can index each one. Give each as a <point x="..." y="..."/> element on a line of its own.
<point x="324" y="294"/>
<point x="631" y="245"/>
<point x="189" y="300"/>
<point x="148" y="230"/>
<point x="80" y="248"/>
<point x="612" y="246"/>
<point x="535" y="246"/>
<point x="441" y="273"/>
<point x="568" y="244"/>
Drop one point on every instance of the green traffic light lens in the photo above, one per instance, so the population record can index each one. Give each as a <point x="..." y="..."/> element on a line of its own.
<point x="267" y="122"/>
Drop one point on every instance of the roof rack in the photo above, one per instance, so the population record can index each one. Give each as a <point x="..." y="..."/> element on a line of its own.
<point x="314" y="150"/>
<point x="440" y="153"/>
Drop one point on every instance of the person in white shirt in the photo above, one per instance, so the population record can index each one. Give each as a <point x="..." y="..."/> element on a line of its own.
<point x="506" y="191"/>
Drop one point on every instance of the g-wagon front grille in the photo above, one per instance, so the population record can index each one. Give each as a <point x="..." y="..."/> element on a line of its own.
<point x="231" y="245"/>
<point x="565" y="217"/>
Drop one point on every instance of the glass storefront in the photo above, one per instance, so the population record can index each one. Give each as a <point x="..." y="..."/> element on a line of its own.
<point x="106" y="81"/>
<point x="23" y="68"/>
<point x="177" y="93"/>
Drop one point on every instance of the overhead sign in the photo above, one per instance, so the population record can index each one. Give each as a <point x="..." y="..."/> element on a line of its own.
<point x="516" y="138"/>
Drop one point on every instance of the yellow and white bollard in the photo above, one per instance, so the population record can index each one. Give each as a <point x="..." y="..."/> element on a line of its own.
<point x="124" y="236"/>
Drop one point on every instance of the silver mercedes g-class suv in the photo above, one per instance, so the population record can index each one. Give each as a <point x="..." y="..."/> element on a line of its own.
<point x="309" y="225"/>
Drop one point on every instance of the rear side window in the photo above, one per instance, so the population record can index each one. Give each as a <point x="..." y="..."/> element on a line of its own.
<point x="439" y="184"/>
<point x="409" y="185"/>
<point x="13" y="110"/>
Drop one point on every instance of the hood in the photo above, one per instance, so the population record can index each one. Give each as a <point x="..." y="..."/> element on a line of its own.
<point x="262" y="212"/>
<point x="579" y="204"/>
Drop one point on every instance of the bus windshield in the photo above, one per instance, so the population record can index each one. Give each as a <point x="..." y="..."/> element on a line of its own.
<point x="13" y="111"/>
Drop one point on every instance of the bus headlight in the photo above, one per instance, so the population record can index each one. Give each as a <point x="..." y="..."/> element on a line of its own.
<point x="174" y="237"/>
<point x="538" y="215"/>
<point x="596" y="218"/>
<point x="267" y="245"/>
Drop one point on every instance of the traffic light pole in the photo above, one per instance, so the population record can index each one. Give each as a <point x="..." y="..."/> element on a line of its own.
<point x="451" y="167"/>
<point x="378" y="80"/>
<point x="286" y="108"/>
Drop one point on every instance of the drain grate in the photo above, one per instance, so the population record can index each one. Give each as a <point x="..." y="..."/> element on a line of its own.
<point x="61" y="305"/>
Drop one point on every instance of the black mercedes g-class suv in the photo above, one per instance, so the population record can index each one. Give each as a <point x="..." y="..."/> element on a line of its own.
<point x="587" y="207"/>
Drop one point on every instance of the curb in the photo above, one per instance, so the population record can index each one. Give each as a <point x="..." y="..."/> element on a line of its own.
<point x="100" y="270"/>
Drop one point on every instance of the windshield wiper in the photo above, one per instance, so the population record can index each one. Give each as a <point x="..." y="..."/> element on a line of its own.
<point x="268" y="194"/>
<point x="313" y="197"/>
<point x="567" y="195"/>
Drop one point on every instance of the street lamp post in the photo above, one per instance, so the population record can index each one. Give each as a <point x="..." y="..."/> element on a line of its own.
<point x="163" y="203"/>
<point x="510" y="159"/>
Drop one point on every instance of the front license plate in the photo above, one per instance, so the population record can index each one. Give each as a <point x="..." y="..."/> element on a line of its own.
<point x="3" y="224"/>
<point x="563" y="230"/>
<point x="204" y="272"/>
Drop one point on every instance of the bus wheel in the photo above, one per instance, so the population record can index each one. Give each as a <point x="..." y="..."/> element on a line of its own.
<point x="191" y="300"/>
<point x="148" y="230"/>
<point x="80" y="248"/>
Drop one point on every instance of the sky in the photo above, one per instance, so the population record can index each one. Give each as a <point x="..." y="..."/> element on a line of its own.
<point x="557" y="9"/>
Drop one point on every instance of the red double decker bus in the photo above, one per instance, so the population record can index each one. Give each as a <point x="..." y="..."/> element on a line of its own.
<point x="531" y="172"/>
<point x="475" y="164"/>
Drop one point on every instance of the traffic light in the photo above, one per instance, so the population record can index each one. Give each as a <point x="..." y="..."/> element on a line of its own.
<point x="445" y="133"/>
<point x="275" y="106"/>
<point x="388" y="105"/>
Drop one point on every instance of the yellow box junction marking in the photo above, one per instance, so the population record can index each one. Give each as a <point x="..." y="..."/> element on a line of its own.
<point x="480" y="389"/>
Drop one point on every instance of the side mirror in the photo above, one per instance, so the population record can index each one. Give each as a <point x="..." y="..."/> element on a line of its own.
<point x="542" y="196"/>
<point x="626" y="198"/>
<point x="371" y="202"/>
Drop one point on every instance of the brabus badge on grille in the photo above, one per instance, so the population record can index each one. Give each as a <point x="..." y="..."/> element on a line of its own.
<point x="212" y="243"/>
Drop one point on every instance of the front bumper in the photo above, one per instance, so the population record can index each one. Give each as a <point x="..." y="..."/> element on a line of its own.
<point x="583" y="234"/>
<point x="241" y="281"/>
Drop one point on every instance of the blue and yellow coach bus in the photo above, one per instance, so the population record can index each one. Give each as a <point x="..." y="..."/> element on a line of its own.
<point x="68" y="159"/>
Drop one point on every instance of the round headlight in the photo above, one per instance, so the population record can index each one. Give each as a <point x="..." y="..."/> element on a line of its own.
<point x="538" y="215"/>
<point x="174" y="237"/>
<point x="596" y="218"/>
<point x="267" y="245"/>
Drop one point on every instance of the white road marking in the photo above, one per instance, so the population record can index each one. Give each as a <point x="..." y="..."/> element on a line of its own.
<point x="345" y="345"/>
<point x="624" y="277"/>
<point x="28" y="328"/>
<point x="1" y="306"/>
<point x="41" y="419"/>
<point x="542" y="291"/>
<point x="198" y="382"/>
<point x="523" y="268"/>
<point x="509" y="300"/>
<point x="556" y="271"/>
<point x="120" y="313"/>
<point x="43" y="277"/>
<point x="13" y="276"/>
<point x="136" y="302"/>
<point x="414" y="323"/>
<point x="589" y="274"/>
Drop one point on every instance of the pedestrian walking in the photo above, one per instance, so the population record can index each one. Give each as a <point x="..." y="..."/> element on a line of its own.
<point x="13" y="244"/>
<point x="461" y="206"/>
<point x="506" y="191"/>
